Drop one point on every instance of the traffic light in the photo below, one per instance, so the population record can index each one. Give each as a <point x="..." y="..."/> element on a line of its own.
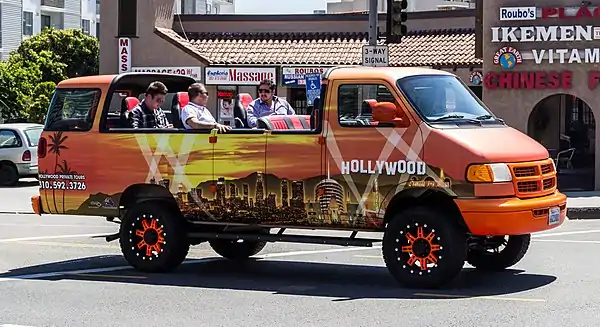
<point x="396" y="17"/>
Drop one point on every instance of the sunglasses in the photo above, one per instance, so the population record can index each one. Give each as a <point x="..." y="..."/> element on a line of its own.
<point x="264" y="91"/>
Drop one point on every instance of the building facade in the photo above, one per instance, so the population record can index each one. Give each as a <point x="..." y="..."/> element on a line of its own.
<point x="343" y="6"/>
<point x="204" y="7"/>
<point x="21" y="19"/>
<point x="541" y="73"/>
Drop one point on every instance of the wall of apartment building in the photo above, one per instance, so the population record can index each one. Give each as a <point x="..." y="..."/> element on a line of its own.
<point x="72" y="17"/>
<point x="88" y="12"/>
<point x="11" y="22"/>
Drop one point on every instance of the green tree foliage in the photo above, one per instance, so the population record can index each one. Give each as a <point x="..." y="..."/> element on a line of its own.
<point x="29" y="76"/>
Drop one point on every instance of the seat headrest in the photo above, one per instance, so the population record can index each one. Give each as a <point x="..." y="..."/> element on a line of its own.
<point x="131" y="102"/>
<point x="182" y="99"/>
<point x="245" y="99"/>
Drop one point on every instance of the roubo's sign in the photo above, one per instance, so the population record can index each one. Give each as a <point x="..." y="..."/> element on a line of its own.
<point x="538" y="80"/>
<point x="518" y="13"/>
<point x="238" y="75"/>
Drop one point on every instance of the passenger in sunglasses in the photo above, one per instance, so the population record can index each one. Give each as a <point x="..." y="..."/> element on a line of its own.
<point x="267" y="104"/>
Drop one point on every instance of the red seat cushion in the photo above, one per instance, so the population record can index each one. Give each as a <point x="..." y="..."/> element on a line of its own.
<point x="183" y="99"/>
<point x="131" y="102"/>
<point x="281" y="122"/>
<point x="245" y="99"/>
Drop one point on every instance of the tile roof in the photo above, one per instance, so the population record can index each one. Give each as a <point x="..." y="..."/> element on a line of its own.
<point x="438" y="48"/>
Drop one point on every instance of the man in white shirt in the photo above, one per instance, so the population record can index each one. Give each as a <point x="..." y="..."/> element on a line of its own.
<point x="195" y="115"/>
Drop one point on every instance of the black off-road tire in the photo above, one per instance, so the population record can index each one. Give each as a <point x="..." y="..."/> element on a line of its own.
<point x="515" y="249"/>
<point x="440" y="233"/>
<point x="9" y="176"/>
<point x="168" y="223"/>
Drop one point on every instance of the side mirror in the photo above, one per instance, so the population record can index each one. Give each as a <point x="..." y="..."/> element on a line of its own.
<point x="387" y="112"/>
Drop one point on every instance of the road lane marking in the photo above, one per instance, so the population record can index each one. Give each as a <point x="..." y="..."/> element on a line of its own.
<point x="203" y="260"/>
<point x="591" y="231"/>
<point x="52" y="225"/>
<point x="570" y="241"/>
<point x="368" y="256"/>
<point x="474" y="297"/>
<point x="50" y="237"/>
<point x="110" y="276"/>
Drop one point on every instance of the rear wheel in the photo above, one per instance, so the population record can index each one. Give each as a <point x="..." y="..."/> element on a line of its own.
<point x="152" y="237"/>
<point x="498" y="252"/>
<point x="424" y="248"/>
<point x="9" y="176"/>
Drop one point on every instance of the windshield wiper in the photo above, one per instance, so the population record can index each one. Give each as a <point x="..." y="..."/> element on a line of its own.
<point x="453" y="116"/>
<point x="486" y="117"/>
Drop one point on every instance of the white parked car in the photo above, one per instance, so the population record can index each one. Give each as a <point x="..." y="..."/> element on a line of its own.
<point x="18" y="152"/>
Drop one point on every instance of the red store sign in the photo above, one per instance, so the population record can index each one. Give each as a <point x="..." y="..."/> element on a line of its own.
<point x="570" y="12"/>
<point x="529" y="80"/>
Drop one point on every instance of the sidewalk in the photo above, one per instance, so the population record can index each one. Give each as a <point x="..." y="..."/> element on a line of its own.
<point x="580" y="205"/>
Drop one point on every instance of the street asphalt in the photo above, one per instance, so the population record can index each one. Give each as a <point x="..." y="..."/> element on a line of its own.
<point x="53" y="272"/>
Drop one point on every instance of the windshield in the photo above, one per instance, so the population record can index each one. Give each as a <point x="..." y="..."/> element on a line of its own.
<point x="33" y="135"/>
<point x="442" y="96"/>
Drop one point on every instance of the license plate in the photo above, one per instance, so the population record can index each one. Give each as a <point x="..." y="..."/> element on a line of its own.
<point x="553" y="216"/>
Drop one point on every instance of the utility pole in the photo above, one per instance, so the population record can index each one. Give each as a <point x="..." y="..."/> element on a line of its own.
<point x="373" y="22"/>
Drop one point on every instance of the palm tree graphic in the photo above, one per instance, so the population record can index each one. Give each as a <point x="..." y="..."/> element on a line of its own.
<point x="45" y="172"/>
<point x="57" y="141"/>
<point x="66" y="170"/>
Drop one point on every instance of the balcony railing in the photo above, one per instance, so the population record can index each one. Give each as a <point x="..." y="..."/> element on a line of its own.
<point x="54" y="3"/>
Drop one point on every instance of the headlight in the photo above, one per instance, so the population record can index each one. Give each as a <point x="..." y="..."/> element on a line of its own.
<point x="489" y="173"/>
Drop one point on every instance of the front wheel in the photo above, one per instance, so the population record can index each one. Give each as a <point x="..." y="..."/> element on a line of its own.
<point x="152" y="237"/>
<point x="498" y="252"/>
<point x="424" y="248"/>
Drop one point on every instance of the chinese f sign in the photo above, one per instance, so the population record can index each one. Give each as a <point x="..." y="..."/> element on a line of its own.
<point x="124" y="55"/>
<point x="518" y="13"/>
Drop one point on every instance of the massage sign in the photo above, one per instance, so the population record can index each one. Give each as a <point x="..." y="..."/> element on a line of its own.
<point x="579" y="25"/>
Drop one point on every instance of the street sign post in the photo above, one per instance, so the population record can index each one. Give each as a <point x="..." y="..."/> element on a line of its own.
<point x="313" y="87"/>
<point x="375" y="55"/>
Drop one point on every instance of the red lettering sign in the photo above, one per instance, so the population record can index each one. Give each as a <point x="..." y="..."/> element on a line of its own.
<point x="571" y="13"/>
<point x="593" y="79"/>
<point x="529" y="80"/>
<point x="225" y="94"/>
<point x="249" y="76"/>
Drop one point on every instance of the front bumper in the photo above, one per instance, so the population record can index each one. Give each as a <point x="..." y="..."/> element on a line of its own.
<point x="511" y="216"/>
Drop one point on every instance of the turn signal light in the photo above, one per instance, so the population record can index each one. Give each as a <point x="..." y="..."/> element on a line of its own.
<point x="489" y="173"/>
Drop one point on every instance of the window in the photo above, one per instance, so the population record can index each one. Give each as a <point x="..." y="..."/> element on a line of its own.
<point x="354" y="107"/>
<point x="27" y="23"/>
<point x="85" y="26"/>
<point x="46" y="21"/>
<point x="436" y="96"/>
<point x="98" y="31"/>
<point x="72" y="109"/>
<point x="33" y="135"/>
<point x="188" y="6"/>
<point x="127" y="18"/>
<point x="9" y="139"/>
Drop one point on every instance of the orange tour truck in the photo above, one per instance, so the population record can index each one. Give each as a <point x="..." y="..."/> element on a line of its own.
<point x="408" y="152"/>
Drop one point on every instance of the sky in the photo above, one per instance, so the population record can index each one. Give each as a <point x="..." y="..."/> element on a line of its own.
<point x="279" y="7"/>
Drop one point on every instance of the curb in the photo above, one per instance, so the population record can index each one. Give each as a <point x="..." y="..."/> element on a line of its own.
<point x="583" y="213"/>
<point x="17" y="213"/>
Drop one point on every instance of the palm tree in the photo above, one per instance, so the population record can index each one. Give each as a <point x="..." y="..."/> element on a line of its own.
<point x="56" y="145"/>
<point x="66" y="170"/>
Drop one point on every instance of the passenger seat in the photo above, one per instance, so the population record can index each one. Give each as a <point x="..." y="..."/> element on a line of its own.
<point x="284" y="122"/>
